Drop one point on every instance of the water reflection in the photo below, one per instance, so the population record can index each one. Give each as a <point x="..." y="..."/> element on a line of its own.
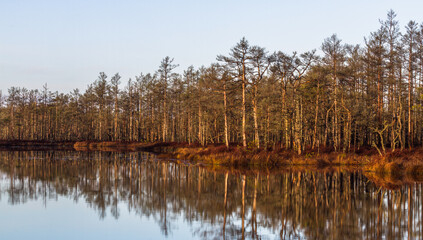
<point x="217" y="204"/>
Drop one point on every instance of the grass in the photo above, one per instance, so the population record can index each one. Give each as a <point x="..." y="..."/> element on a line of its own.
<point x="398" y="163"/>
<point x="238" y="156"/>
<point x="392" y="164"/>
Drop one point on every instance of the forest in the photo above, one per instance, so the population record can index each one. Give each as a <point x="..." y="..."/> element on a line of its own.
<point x="346" y="97"/>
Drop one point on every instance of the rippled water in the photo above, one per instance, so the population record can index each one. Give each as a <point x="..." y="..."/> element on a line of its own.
<point x="98" y="195"/>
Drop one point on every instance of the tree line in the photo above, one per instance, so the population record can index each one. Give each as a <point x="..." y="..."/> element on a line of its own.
<point x="347" y="97"/>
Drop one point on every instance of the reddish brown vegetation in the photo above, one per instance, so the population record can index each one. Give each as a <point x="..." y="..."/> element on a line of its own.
<point x="368" y="159"/>
<point x="392" y="164"/>
<point x="238" y="156"/>
<point x="398" y="163"/>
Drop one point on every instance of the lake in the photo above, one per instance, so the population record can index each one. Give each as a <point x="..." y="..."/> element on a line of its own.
<point x="135" y="195"/>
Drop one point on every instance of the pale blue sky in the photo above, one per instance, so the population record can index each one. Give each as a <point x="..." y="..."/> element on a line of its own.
<point x="67" y="43"/>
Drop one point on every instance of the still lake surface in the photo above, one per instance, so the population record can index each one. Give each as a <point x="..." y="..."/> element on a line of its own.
<point x="105" y="195"/>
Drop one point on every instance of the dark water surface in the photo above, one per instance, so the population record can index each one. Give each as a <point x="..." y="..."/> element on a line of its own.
<point x="98" y="195"/>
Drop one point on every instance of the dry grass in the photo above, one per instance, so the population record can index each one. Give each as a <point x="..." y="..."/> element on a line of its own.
<point x="238" y="156"/>
<point x="398" y="163"/>
<point x="393" y="163"/>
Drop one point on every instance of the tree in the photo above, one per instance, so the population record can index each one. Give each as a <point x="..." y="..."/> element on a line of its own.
<point x="392" y="30"/>
<point x="165" y="74"/>
<point x="334" y="57"/>
<point x="282" y="69"/>
<point x="12" y="100"/>
<point x="300" y="67"/>
<point x="115" y="81"/>
<point x="101" y="89"/>
<point x="238" y="60"/>
<point x="410" y="41"/>
<point x="260" y="62"/>
<point x="220" y="78"/>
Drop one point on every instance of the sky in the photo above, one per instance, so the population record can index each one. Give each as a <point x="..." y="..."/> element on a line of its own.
<point x="65" y="44"/>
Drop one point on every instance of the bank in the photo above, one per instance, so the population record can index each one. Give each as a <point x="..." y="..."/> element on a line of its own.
<point x="392" y="163"/>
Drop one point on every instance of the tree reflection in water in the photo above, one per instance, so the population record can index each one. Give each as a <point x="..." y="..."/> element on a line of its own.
<point x="216" y="204"/>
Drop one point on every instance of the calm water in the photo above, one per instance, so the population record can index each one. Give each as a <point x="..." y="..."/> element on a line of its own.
<point x="98" y="195"/>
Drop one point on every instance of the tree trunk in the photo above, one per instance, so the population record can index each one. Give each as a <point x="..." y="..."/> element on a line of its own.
<point x="200" y="130"/>
<point x="316" y="115"/>
<point x="285" y="117"/>
<point x="256" y="131"/>
<point x="410" y="89"/>
<point x="116" y="117"/>
<point x="244" y="136"/>
<point x="164" y="133"/>
<point x="297" y="128"/>
<point x="226" y="116"/>
<point x="140" y="115"/>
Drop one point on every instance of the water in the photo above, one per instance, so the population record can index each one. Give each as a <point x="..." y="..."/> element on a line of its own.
<point x="98" y="195"/>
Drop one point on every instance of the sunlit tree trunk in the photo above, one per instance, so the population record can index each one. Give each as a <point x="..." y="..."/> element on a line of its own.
<point x="316" y="115"/>
<point x="225" y="112"/>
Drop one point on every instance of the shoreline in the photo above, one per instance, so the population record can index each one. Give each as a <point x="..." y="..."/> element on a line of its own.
<point x="34" y="145"/>
<point x="400" y="162"/>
